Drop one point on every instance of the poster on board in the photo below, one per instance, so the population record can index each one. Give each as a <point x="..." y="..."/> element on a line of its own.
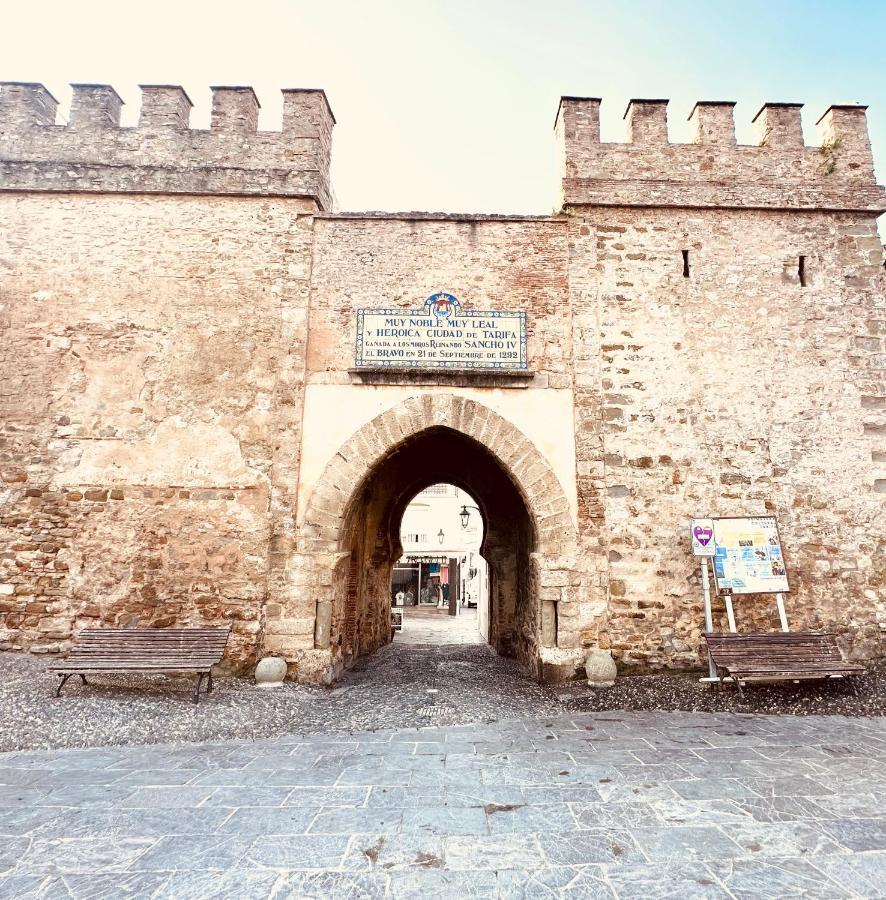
<point x="748" y="557"/>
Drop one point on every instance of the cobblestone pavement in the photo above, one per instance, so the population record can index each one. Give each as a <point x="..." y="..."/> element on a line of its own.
<point x="635" y="805"/>
<point x="406" y="683"/>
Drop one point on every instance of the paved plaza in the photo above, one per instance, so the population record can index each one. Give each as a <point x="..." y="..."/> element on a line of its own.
<point x="593" y="805"/>
<point x="430" y="626"/>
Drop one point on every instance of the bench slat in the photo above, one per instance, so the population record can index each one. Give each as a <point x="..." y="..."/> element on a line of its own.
<point x="779" y="655"/>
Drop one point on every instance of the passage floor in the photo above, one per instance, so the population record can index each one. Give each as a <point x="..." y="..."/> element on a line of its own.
<point x="632" y="804"/>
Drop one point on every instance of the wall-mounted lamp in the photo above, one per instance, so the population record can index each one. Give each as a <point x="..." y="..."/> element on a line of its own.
<point x="441" y="537"/>
<point x="465" y="516"/>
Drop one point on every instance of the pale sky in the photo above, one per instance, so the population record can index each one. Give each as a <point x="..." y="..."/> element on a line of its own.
<point x="449" y="106"/>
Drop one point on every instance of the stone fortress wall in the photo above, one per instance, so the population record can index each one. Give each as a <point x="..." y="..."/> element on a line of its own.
<point x="178" y="392"/>
<point x="163" y="155"/>
<point x="743" y="388"/>
<point x="154" y="294"/>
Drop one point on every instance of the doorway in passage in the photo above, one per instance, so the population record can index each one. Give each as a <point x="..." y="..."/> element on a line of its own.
<point x="440" y="585"/>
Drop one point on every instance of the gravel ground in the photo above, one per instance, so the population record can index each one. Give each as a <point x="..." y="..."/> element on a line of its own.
<point x="398" y="687"/>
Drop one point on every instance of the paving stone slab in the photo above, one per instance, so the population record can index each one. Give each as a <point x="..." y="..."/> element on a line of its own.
<point x="121" y="823"/>
<point x="858" y="834"/>
<point x="331" y="886"/>
<point x="567" y="882"/>
<point x="483" y="795"/>
<point x="328" y="796"/>
<point x="24" y="820"/>
<point x="713" y="789"/>
<point x="23" y="887"/>
<point x="193" y="853"/>
<point x="492" y="853"/>
<point x="445" y="820"/>
<point x="181" y="797"/>
<point x="670" y="880"/>
<point x="287" y="852"/>
<point x="234" y="884"/>
<point x="155" y="777"/>
<point x="775" y="879"/>
<point x="389" y="853"/>
<point x="234" y="797"/>
<point x="547" y="818"/>
<point x="134" y="885"/>
<point x="625" y="815"/>
<point x="420" y="885"/>
<point x="83" y="855"/>
<point x="862" y="874"/>
<point x="611" y="846"/>
<point x="256" y="820"/>
<point x="685" y="842"/>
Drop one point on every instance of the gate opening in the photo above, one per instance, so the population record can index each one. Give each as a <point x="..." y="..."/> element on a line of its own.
<point x="373" y="546"/>
<point x="440" y="586"/>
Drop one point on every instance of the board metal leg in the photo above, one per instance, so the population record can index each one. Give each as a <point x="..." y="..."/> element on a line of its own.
<point x="708" y="614"/>
<point x="730" y="613"/>
<point x="782" y="615"/>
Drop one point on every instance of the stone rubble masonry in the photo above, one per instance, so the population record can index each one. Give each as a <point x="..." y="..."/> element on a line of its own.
<point x="163" y="154"/>
<point x="171" y="300"/>
<point x="779" y="172"/>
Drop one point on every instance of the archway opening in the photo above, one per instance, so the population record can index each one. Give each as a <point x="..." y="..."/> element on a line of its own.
<point x="371" y="541"/>
<point x="440" y="586"/>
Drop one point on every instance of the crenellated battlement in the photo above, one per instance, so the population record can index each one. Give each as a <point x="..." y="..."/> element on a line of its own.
<point x="780" y="171"/>
<point x="163" y="154"/>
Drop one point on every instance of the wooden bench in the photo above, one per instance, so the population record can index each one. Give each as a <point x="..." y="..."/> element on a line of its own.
<point x="780" y="656"/>
<point x="144" y="650"/>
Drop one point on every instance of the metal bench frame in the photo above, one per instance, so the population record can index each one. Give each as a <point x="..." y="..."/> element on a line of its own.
<point x="153" y="651"/>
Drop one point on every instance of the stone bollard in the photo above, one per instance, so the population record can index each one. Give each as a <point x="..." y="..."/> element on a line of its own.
<point x="270" y="672"/>
<point x="600" y="668"/>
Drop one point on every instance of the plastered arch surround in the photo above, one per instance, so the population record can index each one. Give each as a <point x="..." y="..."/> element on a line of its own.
<point x="322" y="551"/>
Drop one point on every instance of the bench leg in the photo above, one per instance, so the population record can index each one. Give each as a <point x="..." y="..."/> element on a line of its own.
<point x="197" y="691"/>
<point x="61" y="684"/>
<point x="83" y="679"/>
<point x="209" y="683"/>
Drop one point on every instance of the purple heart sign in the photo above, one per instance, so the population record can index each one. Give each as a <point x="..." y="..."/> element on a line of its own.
<point x="703" y="543"/>
<point x="702" y="534"/>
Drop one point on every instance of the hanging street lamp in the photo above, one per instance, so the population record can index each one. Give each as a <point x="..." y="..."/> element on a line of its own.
<point x="465" y="515"/>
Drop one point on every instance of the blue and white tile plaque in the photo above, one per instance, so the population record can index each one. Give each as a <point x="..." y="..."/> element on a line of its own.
<point x="442" y="335"/>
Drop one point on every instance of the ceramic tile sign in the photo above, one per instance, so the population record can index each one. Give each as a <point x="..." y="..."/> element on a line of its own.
<point x="702" y="533"/>
<point x="748" y="557"/>
<point x="441" y="335"/>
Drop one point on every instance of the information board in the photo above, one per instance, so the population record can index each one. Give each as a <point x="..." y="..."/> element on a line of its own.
<point x="440" y="336"/>
<point x="748" y="557"/>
